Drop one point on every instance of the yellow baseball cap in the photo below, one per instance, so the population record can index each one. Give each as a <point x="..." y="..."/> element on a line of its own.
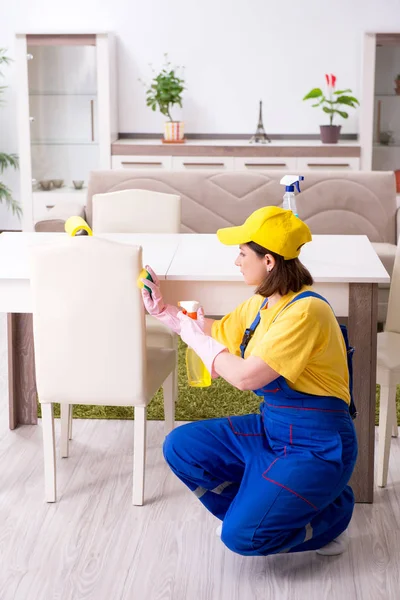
<point x="274" y="228"/>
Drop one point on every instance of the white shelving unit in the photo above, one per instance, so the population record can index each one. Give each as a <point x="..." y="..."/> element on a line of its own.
<point x="380" y="107"/>
<point x="67" y="114"/>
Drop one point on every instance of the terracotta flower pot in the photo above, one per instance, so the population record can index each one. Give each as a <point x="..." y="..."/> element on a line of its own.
<point x="330" y="133"/>
<point x="174" y="131"/>
<point x="397" y="88"/>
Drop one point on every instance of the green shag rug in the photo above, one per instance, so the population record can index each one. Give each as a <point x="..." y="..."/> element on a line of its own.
<point x="218" y="400"/>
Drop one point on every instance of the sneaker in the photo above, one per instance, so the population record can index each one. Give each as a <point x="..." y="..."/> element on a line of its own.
<point x="218" y="531"/>
<point x="336" y="546"/>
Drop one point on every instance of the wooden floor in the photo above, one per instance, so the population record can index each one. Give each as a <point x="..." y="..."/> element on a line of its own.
<point x="93" y="544"/>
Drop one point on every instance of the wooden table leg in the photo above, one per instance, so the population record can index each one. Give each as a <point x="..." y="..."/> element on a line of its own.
<point x="21" y="371"/>
<point x="363" y="313"/>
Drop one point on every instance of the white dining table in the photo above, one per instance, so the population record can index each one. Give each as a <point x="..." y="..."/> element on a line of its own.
<point x="346" y="270"/>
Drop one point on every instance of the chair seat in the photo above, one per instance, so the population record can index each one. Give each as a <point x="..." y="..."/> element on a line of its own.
<point x="160" y="363"/>
<point x="388" y="356"/>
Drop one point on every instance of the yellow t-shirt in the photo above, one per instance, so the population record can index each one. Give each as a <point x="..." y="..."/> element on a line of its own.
<point x="305" y="344"/>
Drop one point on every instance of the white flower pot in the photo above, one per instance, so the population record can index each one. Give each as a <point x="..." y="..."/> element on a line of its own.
<point x="174" y="131"/>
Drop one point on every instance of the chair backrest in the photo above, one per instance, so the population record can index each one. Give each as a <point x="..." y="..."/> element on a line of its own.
<point x="393" y="312"/>
<point x="136" y="211"/>
<point x="88" y="322"/>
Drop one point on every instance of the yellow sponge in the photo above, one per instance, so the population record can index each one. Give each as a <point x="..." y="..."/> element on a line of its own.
<point x="76" y="226"/>
<point x="144" y="275"/>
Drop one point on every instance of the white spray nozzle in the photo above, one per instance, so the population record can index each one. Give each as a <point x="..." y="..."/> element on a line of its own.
<point x="191" y="306"/>
<point x="292" y="181"/>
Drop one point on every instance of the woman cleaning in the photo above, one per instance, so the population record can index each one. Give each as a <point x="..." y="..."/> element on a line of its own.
<point x="277" y="480"/>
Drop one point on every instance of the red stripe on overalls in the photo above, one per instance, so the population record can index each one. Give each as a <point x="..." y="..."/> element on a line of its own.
<point x="285" y="487"/>
<point x="239" y="433"/>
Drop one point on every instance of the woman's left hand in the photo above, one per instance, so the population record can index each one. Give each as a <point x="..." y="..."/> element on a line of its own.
<point x="192" y="333"/>
<point x="191" y="327"/>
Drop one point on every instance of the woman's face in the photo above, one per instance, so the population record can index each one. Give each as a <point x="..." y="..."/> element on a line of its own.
<point x="253" y="267"/>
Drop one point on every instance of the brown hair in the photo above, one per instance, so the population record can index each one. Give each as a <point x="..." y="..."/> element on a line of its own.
<point x="286" y="276"/>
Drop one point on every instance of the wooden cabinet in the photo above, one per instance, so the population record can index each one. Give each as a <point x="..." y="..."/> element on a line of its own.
<point x="191" y="163"/>
<point x="251" y="164"/>
<point x="142" y="162"/>
<point x="270" y="163"/>
<point x="226" y="155"/>
<point x="328" y="164"/>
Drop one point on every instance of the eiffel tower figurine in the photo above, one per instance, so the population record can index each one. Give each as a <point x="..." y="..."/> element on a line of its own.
<point x="260" y="137"/>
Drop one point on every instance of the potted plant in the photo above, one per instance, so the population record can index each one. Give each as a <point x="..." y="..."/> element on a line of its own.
<point x="164" y="92"/>
<point x="7" y="160"/>
<point x="332" y="104"/>
<point x="397" y="84"/>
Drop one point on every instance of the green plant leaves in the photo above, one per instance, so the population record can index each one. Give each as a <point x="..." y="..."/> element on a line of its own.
<point x="331" y="105"/>
<point x="332" y="111"/>
<point x="349" y="100"/>
<point x="338" y="92"/>
<point x="8" y="160"/>
<point x="315" y="93"/>
<point x="323" y="99"/>
<point x="5" y="196"/>
<point x="165" y="91"/>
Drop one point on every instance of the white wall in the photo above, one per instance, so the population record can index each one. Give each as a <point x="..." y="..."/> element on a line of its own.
<point x="235" y="53"/>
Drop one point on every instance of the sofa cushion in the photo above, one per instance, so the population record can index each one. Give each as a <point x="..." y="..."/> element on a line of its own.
<point x="331" y="202"/>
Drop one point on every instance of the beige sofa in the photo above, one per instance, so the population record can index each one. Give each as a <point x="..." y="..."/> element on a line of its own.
<point x="330" y="203"/>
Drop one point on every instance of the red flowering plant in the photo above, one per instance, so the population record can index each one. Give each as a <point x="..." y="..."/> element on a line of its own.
<point x="334" y="101"/>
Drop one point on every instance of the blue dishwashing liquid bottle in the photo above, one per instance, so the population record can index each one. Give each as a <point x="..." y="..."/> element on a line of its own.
<point x="290" y="182"/>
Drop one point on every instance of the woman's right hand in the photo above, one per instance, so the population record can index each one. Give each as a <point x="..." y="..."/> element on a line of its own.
<point x="153" y="302"/>
<point x="155" y="305"/>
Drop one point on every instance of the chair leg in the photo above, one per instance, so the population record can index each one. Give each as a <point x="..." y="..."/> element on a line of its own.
<point x="388" y="398"/>
<point x="71" y="408"/>
<point x="65" y="421"/>
<point x="175" y="345"/>
<point x="395" y="429"/>
<point x="49" y="453"/>
<point x="139" y="454"/>
<point x="169" y="403"/>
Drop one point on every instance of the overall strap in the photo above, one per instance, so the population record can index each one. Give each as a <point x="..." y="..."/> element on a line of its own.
<point x="349" y="349"/>
<point x="250" y="330"/>
<point x="307" y="294"/>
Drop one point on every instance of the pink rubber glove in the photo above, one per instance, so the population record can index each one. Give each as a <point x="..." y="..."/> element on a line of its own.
<point x="155" y="306"/>
<point x="192" y="333"/>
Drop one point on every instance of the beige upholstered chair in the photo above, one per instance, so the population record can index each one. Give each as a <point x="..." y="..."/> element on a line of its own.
<point x="388" y="373"/>
<point x="90" y="341"/>
<point x="141" y="211"/>
<point x="136" y="211"/>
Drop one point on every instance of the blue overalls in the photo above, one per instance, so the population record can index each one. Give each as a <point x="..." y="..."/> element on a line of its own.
<point x="277" y="480"/>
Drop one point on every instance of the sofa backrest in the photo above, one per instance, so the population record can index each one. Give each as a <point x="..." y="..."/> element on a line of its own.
<point x="331" y="202"/>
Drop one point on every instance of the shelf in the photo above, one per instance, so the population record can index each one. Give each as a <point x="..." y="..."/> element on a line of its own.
<point x="37" y="93"/>
<point x="387" y="95"/>
<point x="67" y="189"/>
<point x="62" y="143"/>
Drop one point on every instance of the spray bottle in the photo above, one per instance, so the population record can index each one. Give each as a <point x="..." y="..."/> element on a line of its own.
<point x="290" y="182"/>
<point x="197" y="374"/>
